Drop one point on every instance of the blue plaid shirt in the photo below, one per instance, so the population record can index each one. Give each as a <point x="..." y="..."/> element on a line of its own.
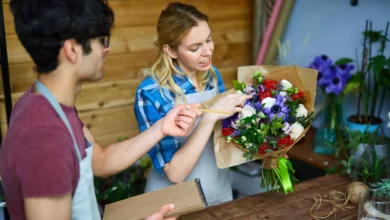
<point x="150" y="106"/>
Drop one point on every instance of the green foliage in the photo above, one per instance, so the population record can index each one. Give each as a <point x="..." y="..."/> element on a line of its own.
<point x="382" y="189"/>
<point x="343" y="60"/>
<point x="238" y="86"/>
<point x="370" y="167"/>
<point x="130" y="182"/>
<point x="276" y="125"/>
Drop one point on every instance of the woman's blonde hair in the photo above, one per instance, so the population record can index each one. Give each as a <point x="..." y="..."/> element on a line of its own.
<point x="173" y="25"/>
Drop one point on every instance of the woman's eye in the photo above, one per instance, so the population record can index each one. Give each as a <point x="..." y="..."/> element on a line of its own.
<point x="194" y="49"/>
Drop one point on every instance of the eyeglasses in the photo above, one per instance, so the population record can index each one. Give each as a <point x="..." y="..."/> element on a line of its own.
<point x="105" y="40"/>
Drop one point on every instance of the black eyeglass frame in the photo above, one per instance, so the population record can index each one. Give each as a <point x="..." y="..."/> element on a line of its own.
<point x="104" y="40"/>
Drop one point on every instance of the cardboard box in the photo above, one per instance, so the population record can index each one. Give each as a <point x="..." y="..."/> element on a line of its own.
<point x="188" y="197"/>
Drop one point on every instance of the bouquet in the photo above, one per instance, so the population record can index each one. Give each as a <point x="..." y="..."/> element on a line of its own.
<point x="279" y="113"/>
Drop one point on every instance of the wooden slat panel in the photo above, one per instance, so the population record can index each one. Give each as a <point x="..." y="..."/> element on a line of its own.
<point x="104" y="121"/>
<point x="132" y="39"/>
<point x="119" y="66"/>
<point x="145" y="13"/>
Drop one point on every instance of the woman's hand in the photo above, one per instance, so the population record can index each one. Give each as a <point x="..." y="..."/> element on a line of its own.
<point x="230" y="103"/>
<point x="180" y="120"/>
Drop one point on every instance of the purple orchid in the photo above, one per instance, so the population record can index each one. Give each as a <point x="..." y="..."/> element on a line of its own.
<point x="279" y="109"/>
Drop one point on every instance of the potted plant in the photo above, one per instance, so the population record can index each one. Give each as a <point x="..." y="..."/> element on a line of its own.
<point x="374" y="79"/>
<point x="335" y="80"/>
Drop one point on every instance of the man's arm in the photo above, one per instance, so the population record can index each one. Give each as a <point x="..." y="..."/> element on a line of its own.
<point x="116" y="157"/>
<point x="48" y="208"/>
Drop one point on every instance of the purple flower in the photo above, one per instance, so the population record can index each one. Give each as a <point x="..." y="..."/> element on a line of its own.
<point x="286" y="126"/>
<point x="235" y="133"/>
<point x="258" y="106"/>
<point x="279" y="109"/>
<point x="324" y="75"/>
<point x="260" y="88"/>
<point x="227" y="121"/>
<point x="337" y="81"/>
<point x="346" y="71"/>
<point x="319" y="61"/>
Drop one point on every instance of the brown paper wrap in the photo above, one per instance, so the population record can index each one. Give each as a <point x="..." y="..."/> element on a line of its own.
<point x="231" y="154"/>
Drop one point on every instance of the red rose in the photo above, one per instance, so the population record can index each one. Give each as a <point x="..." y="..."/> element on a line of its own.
<point x="299" y="95"/>
<point x="270" y="84"/>
<point x="227" y="131"/>
<point x="262" y="149"/>
<point x="265" y="94"/>
<point x="285" y="142"/>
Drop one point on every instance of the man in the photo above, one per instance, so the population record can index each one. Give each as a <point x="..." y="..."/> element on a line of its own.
<point x="49" y="157"/>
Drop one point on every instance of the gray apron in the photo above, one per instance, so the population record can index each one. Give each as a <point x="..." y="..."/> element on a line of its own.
<point x="216" y="183"/>
<point x="84" y="204"/>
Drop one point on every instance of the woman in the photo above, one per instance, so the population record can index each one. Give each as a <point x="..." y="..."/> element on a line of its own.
<point x="183" y="74"/>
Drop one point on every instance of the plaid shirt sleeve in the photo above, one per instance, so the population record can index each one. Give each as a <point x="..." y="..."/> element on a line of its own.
<point x="150" y="107"/>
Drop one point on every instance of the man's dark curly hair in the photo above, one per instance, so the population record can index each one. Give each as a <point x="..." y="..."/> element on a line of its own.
<point x="43" y="25"/>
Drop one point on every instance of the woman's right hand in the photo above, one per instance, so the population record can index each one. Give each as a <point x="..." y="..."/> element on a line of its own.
<point x="230" y="103"/>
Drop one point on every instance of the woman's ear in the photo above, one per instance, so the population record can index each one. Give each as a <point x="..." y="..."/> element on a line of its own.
<point x="171" y="52"/>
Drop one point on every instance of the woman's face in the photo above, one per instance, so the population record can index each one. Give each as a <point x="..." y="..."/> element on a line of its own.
<point x="195" y="50"/>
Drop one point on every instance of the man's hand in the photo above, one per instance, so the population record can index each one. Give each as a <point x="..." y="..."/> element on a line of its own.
<point x="160" y="214"/>
<point x="180" y="120"/>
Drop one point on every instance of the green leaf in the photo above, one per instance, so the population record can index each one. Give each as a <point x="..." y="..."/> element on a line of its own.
<point x="238" y="86"/>
<point x="343" y="60"/>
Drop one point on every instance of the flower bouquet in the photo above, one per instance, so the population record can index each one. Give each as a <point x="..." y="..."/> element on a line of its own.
<point x="279" y="113"/>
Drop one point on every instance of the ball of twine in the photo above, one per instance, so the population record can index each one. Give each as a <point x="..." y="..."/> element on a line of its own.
<point x="354" y="189"/>
<point x="271" y="163"/>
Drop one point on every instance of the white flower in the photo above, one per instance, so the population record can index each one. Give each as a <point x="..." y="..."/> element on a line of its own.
<point x="284" y="85"/>
<point x="283" y="94"/>
<point x="295" y="130"/>
<point x="247" y="111"/>
<point x="301" y="111"/>
<point x="269" y="102"/>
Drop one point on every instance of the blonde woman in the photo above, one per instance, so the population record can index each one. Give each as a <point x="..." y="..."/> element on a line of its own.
<point x="183" y="73"/>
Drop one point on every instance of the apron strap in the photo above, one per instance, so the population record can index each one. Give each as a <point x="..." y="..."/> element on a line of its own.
<point x="54" y="103"/>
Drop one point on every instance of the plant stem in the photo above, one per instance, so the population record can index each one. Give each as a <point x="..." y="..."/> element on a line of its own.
<point x="362" y="74"/>
<point x="384" y="89"/>
<point x="369" y="57"/>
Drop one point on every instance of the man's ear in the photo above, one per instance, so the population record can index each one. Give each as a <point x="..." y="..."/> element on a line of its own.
<point x="170" y="51"/>
<point x="71" y="50"/>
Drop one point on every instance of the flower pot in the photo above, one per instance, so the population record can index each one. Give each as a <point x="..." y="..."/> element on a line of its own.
<point x="370" y="159"/>
<point x="353" y="123"/>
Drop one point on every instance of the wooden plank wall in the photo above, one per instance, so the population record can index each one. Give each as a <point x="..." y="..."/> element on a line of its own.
<point x="106" y="107"/>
